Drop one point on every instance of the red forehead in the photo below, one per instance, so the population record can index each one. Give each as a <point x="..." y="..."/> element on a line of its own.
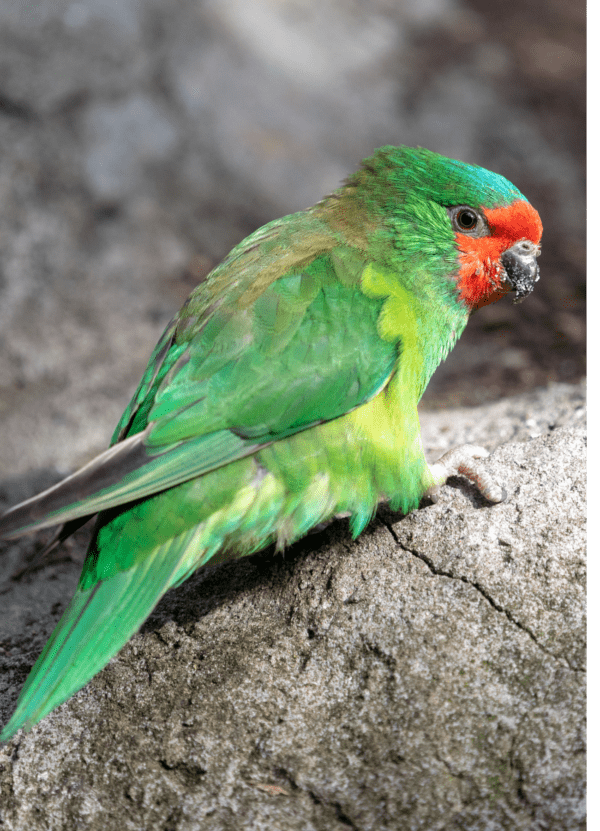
<point x="517" y="221"/>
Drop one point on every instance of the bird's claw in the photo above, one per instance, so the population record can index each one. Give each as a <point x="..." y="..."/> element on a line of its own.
<point x="461" y="461"/>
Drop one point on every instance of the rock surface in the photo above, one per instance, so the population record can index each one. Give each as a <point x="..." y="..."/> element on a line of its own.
<point x="429" y="675"/>
<point x="426" y="676"/>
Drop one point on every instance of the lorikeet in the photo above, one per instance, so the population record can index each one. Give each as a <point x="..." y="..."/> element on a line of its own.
<point x="284" y="393"/>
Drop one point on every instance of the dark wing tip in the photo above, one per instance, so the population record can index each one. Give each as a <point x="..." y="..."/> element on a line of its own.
<point x="68" y="499"/>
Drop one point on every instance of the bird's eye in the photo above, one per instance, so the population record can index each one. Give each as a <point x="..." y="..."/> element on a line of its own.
<point x="467" y="220"/>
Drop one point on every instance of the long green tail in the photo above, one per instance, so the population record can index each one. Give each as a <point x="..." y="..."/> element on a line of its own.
<point x="96" y="624"/>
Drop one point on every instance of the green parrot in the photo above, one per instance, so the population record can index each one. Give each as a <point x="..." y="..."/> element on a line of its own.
<point x="283" y="394"/>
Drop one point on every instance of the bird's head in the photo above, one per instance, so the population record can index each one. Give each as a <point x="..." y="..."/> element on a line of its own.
<point x="467" y="222"/>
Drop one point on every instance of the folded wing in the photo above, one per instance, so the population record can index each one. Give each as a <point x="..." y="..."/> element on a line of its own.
<point x="225" y="383"/>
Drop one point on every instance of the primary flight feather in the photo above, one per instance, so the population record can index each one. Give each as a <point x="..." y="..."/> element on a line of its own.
<point x="283" y="393"/>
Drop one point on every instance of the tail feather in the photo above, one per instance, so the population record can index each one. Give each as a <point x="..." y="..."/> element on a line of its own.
<point x="96" y="624"/>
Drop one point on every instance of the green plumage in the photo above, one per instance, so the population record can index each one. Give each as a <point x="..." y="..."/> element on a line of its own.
<point x="284" y="392"/>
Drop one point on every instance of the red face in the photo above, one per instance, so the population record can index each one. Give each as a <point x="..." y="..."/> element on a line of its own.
<point x="481" y="277"/>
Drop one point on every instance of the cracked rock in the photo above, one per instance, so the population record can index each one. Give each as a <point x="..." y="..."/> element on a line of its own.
<point x="429" y="675"/>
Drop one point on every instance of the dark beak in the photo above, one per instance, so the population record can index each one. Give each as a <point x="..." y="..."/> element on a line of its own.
<point x="521" y="268"/>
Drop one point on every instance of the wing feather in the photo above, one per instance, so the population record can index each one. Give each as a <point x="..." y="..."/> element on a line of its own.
<point x="307" y="350"/>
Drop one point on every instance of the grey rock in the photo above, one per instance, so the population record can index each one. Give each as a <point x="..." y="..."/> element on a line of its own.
<point x="514" y="418"/>
<point x="425" y="676"/>
<point x="429" y="675"/>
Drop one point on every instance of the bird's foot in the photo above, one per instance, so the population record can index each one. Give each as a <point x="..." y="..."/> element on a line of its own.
<point x="461" y="461"/>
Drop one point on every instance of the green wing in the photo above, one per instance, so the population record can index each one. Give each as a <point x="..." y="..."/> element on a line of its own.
<point x="228" y="378"/>
<point x="221" y="384"/>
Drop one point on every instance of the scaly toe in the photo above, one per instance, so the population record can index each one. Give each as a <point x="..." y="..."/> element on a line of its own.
<point x="460" y="461"/>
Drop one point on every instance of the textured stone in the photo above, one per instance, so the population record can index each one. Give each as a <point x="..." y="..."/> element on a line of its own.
<point x="428" y="675"/>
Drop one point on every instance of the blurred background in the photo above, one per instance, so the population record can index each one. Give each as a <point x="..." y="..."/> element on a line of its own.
<point x="141" y="139"/>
